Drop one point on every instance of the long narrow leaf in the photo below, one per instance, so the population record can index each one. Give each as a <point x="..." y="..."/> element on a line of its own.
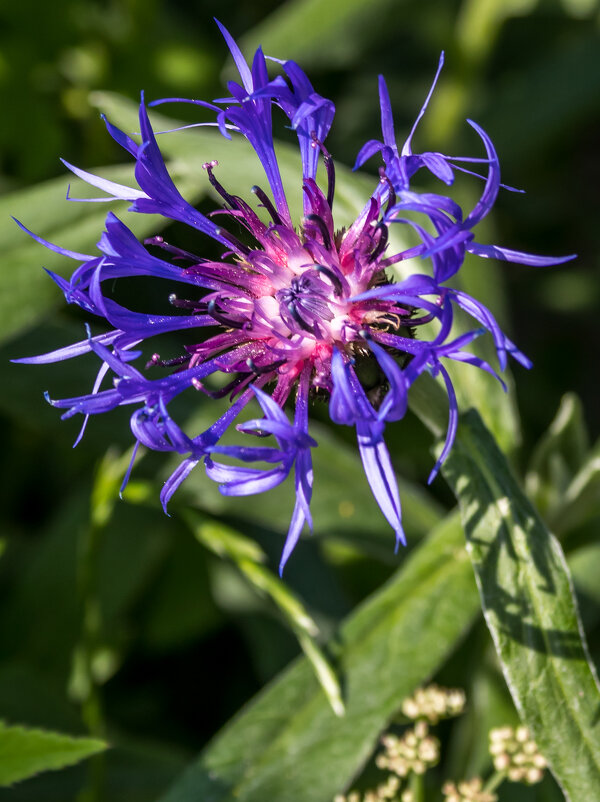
<point x="288" y="745"/>
<point x="248" y="557"/>
<point x="528" y="603"/>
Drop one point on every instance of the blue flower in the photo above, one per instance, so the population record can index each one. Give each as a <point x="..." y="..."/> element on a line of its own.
<point x="301" y="312"/>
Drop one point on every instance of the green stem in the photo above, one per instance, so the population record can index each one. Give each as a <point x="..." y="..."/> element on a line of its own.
<point x="416" y="785"/>
<point x="494" y="781"/>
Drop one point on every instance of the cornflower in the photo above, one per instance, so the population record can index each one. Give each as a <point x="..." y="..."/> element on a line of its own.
<point x="299" y="312"/>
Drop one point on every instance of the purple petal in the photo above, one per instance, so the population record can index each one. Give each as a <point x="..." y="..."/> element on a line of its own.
<point x="240" y="61"/>
<point x="175" y="479"/>
<point x="235" y="481"/>
<point x="387" y="118"/>
<point x="406" y="148"/>
<point x="52" y="247"/>
<point x="437" y="164"/>
<point x="117" y="191"/>
<point x="508" y="255"/>
<point x="492" y="184"/>
<point x="380" y="475"/>
<point x="369" y="149"/>
<point x="452" y="424"/>
<point x="301" y="515"/>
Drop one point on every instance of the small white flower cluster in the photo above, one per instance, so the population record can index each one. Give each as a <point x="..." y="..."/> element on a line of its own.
<point x="416" y="751"/>
<point x="467" y="791"/>
<point x="516" y="753"/>
<point x="434" y="703"/>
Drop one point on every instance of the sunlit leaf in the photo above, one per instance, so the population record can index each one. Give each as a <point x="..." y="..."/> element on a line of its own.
<point x="530" y="610"/>
<point x="288" y="745"/>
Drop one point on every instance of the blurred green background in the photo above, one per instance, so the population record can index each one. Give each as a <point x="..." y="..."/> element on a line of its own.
<point x="183" y="642"/>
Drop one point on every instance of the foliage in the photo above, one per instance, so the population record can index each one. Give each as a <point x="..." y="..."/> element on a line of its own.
<point x="119" y="625"/>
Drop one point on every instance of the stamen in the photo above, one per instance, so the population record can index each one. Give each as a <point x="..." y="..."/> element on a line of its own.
<point x="383" y="240"/>
<point x="159" y="242"/>
<point x="183" y="303"/>
<point x="260" y="369"/>
<point x="233" y="241"/>
<point x="391" y="193"/>
<point x="155" y="360"/>
<point x="267" y="203"/>
<point x="329" y="167"/>
<point x="220" y="318"/>
<point x="232" y="386"/>
<point x="320" y="224"/>
<point x="335" y="280"/>
<point x="208" y="166"/>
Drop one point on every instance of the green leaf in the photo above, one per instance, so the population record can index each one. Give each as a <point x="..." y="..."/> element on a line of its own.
<point x="529" y="607"/>
<point x="332" y="32"/>
<point x="222" y="540"/>
<point x="26" y="292"/>
<point x="584" y="564"/>
<point x="287" y="744"/>
<point x="580" y="501"/>
<point x="558" y="456"/>
<point x="248" y="556"/>
<point x="25" y="752"/>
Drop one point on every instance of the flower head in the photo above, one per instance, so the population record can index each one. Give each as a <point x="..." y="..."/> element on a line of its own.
<point x="290" y="312"/>
<point x="516" y="753"/>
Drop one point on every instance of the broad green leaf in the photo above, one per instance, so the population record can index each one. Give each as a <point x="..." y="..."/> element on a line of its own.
<point x="430" y="403"/>
<point x="26" y="292"/>
<point x="223" y="541"/>
<point x="557" y="457"/>
<point x="25" y="752"/>
<point x="332" y="32"/>
<point x="248" y="557"/>
<point x="287" y="744"/>
<point x="528" y="603"/>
